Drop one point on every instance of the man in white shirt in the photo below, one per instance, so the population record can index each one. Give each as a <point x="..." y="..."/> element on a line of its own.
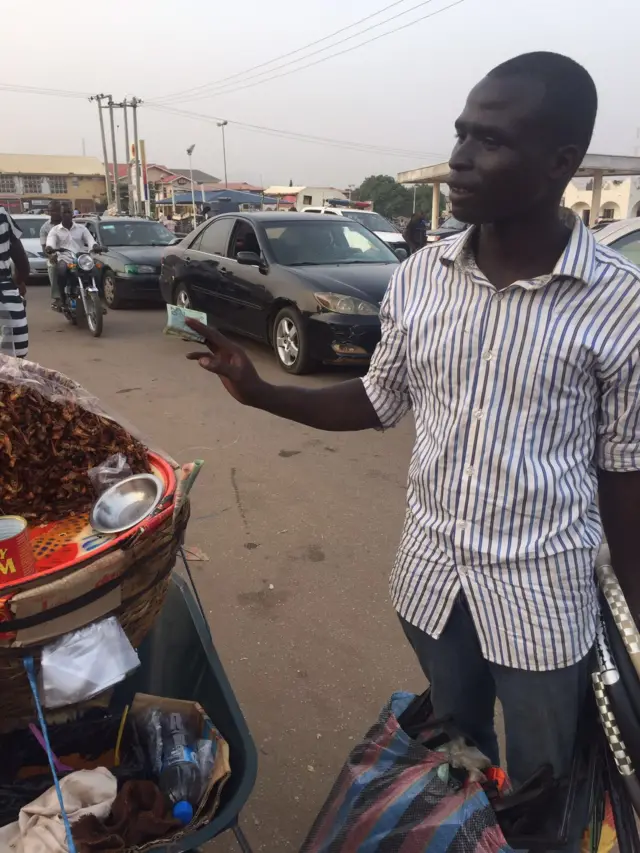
<point x="65" y="240"/>
<point x="55" y="218"/>
<point x="69" y="238"/>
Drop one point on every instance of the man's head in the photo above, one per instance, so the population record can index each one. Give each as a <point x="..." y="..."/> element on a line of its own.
<point x="55" y="212"/>
<point x="67" y="217"/>
<point x="521" y="137"/>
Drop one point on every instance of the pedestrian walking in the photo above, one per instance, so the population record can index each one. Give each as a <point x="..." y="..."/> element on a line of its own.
<point x="516" y="346"/>
<point x="14" y="331"/>
<point x="416" y="232"/>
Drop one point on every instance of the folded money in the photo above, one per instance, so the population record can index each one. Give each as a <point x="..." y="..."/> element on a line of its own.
<point x="176" y="325"/>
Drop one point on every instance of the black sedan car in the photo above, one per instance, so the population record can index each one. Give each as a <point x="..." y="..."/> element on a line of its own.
<point x="308" y="285"/>
<point x="134" y="248"/>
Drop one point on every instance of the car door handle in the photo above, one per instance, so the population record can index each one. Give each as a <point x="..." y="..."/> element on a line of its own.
<point x="187" y="260"/>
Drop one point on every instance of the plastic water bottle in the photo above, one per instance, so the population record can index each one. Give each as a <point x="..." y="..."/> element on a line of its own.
<point x="180" y="779"/>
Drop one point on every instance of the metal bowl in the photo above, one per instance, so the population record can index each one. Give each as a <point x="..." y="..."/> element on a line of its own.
<point x="126" y="503"/>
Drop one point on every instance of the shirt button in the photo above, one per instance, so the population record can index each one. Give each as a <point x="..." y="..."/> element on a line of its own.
<point x="463" y="570"/>
<point x="488" y="355"/>
<point x="462" y="525"/>
<point x="469" y="471"/>
<point x="499" y="296"/>
<point x="478" y="414"/>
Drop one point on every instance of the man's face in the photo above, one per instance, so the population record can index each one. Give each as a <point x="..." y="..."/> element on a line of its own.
<point x="67" y="218"/>
<point x="503" y="165"/>
<point x="55" y="214"/>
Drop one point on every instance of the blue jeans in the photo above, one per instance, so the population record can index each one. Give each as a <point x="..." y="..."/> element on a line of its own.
<point x="540" y="709"/>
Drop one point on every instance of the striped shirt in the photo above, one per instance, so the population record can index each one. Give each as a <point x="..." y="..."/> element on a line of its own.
<point x="14" y="331"/>
<point x="518" y="397"/>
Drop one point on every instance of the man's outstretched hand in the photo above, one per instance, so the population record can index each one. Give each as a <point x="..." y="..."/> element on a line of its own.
<point x="229" y="361"/>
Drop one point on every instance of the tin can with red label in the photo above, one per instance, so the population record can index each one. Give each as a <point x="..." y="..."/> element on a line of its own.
<point x="16" y="554"/>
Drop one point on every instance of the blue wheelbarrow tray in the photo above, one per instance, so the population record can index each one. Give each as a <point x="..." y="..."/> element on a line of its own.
<point x="179" y="661"/>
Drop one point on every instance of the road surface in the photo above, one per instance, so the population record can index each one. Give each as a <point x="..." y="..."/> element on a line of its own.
<point x="300" y="528"/>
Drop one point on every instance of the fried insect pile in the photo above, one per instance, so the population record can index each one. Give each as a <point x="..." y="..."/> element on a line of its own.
<point x="46" y="450"/>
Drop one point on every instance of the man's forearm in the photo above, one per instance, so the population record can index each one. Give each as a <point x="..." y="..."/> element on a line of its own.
<point x="620" y="511"/>
<point x="339" y="408"/>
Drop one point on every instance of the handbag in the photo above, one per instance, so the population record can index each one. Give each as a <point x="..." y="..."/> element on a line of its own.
<point x="395" y="794"/>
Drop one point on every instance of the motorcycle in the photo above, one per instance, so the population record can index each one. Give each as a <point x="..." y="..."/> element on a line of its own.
<point x="81" y="293"/>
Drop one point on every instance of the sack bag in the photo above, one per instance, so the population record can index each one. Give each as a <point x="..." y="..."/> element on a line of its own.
<point x="394" y="795"/>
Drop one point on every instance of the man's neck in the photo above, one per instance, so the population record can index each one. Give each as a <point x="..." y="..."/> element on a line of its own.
<point x="520" y="249"/>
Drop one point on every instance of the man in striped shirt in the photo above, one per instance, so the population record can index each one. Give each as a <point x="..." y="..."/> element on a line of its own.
<point x="14" y="331"/>
<point x="516" y="344"/>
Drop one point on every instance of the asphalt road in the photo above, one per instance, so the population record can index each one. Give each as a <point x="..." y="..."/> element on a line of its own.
<point x="300" y="528"/>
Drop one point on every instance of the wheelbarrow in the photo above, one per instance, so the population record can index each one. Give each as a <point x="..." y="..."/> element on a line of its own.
<point x="179" y="661"/>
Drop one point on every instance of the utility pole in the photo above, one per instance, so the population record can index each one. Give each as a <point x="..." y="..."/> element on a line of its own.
<point x="127" y="155"/>
<point x="116" y="187"/>
<point x="193" y="194"/>
<point x="107" y="177"/>
<point x="136" y="142"/>
<point x="223" y="124"/>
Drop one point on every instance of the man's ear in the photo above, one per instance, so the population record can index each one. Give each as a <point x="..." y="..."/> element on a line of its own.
<point x="565" y="163"/>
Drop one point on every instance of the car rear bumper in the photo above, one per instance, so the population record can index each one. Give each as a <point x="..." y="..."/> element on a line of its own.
<point x="343" y="338"/>
<point x="139" y="287"/>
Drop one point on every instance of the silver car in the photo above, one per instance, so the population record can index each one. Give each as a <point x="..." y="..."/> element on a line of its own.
<point x="623" y="236"/>
<point x="30" y="225"/>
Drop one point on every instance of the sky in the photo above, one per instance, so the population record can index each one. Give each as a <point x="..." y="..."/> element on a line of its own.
<point x="391" y="103"/>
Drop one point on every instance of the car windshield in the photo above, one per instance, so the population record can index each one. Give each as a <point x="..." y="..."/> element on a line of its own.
<point x="453" y="224"/>
<point x="373" y="221"/>
<point x="129" y="233"/>
<point x="30" y="227"/>
<point x="328" y="241"/>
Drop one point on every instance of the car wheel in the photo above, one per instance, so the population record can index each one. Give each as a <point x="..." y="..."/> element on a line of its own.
<point x="290" y="342"/>
<point x="182" y="297"/>
<point x="110" y="291"/>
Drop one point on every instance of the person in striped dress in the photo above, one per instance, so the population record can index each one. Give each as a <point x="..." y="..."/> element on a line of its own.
<point x="516" y="346"/>
<point x="14" y="331"/>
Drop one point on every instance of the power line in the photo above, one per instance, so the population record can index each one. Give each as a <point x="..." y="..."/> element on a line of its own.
<point x="339" y="53"/>
<point x="208" y="94"/>
<point x="301" y="137"/>
<point x="36" y="90"/>
<point x="215" y="83"/>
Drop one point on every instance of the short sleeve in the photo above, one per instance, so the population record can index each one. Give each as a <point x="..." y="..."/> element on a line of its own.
<point x="13" y="228"/>
<point x="618" y="445"/>
<point x="51" y="239"/>
<point x="386" y="381"/>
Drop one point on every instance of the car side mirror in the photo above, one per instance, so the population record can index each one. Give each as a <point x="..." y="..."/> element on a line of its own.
<point x="401" y="254"/>
<point x="249" y="259"/>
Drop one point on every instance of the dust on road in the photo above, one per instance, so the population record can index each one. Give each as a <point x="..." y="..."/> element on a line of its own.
<point x="300" y="528"/>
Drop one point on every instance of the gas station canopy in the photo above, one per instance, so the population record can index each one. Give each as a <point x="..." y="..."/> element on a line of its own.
<point x="594" y="166"/>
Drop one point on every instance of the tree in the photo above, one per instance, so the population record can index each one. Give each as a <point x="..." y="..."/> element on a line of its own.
<point x="392" y="199"/>
<point x="388" y="196"/>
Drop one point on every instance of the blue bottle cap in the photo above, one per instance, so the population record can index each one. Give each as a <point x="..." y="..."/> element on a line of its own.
<point x="183" y="811"/>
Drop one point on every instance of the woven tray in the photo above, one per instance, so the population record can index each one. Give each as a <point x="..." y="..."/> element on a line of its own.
<point x="134" y="569"/>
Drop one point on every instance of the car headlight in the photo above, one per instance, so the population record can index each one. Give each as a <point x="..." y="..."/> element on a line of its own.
<point x="139" y="269"/>
<point x="85" y="262"/>
<point x="339" y="304"/>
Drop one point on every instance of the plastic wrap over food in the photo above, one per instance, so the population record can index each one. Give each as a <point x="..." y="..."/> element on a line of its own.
<point x="52" y="433"/>
<point x="111" y="471"/>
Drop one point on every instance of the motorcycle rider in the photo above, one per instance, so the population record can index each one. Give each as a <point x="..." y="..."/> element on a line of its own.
<point x="66" y="240"/>
<point x="55" y="218"/>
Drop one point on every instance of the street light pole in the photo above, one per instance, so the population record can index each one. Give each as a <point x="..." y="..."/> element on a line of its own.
<point x="222" y="125"/>
<point x="193" y="194"/>
<point x="415" y="188"/>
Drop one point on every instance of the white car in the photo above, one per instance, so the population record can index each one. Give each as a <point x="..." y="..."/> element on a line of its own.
<point x="30" y="225"/>
<point x="623" y="236"/>
<point x="380" y="226"/>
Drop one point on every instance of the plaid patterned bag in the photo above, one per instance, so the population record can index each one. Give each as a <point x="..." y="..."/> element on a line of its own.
<point x="392" y="796"/>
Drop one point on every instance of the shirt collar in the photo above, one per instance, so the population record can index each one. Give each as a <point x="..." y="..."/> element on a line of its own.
<point x="577" y="261"/>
